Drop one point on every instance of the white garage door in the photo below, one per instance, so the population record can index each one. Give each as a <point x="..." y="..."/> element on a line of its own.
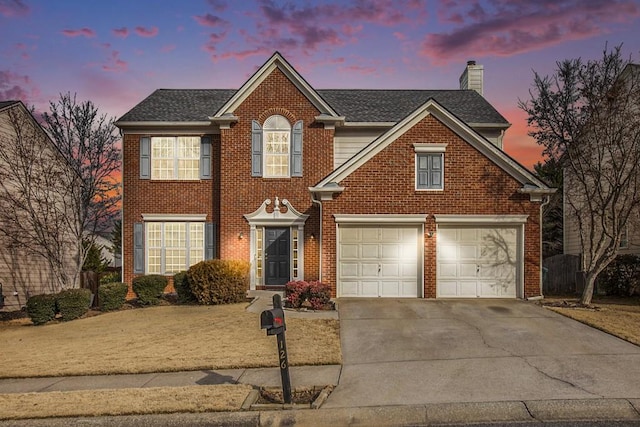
<point x="477" y="262"/>
<point x="378" y="261"/>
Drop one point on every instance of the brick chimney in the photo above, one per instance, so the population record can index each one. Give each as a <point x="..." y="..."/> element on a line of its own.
<point x="472" y="77"/>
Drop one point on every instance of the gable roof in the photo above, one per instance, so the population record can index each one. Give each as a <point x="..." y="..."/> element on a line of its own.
<point x="201" y="106"/>
<point x="6" y="104"/>
<point x="531" y="184"/>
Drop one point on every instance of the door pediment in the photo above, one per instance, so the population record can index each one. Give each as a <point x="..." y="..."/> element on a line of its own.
<point x="282" y="214"/>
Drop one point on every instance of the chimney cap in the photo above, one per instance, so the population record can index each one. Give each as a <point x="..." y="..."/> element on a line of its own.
<point x="471" y="62"/>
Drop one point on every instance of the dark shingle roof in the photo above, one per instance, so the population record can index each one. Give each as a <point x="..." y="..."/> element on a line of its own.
<point x="5" y="104"/>
<point x="179" y="105"/>
<point x="393" y="105"/>
<point x="357" y="105"/>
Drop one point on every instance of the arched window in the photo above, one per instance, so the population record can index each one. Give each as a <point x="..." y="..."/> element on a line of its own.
<point x="276" y="148"/>
<point x="277" y="141"/>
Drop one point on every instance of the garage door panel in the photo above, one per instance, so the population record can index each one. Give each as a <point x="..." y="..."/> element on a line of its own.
<point x="390" y="288"/>
<point x="369" y="270"/>
<point x="369" y="288"/>
<point x="349" y="251"/>
<point x="383" y="260"/>
<point x="467" y="251"/>
<point x="349" y="269"/>
<point x="349" y="288"/>
<point x="468" y="289"/>
<point x="477" y="261"/>
<point x="369" y="251"/>
<point x="389" y="270"/>
<point x="448" y="270"/>
<point x="467" y="270"/>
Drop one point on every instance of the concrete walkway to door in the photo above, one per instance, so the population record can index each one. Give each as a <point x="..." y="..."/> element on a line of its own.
<point x="411" y="351"/>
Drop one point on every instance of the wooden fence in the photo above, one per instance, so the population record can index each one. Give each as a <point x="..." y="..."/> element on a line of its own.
<point x="559" y="276"/>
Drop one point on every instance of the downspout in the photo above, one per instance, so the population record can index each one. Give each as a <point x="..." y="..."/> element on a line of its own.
<point x="313" y="200"/>
<point x="546" y="201"/>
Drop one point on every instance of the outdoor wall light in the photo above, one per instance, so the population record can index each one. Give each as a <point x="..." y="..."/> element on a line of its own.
<point x="430" y="234"/>
<point x="241" y="235"/>
<point x="313" y="236"/>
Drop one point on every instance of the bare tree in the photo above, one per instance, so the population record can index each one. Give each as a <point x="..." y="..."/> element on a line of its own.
<point x="35" y="202"/>
<point x="587" y="117"/>
<point x="89" y="143"/>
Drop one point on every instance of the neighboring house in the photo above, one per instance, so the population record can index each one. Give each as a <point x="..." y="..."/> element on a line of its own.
<point x="22" y="271"/>
<point x="630" y="240"/>
<point x="105" y="244"/>
<point x="379" y="193"/>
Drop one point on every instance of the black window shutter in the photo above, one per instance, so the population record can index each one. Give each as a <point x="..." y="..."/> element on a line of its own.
<point x="138" y="248"/>
<point x="256" y="149"/>
<point x="205" y="157"/>
<point x="296" y="149"/>
<point x="145" y="157"/>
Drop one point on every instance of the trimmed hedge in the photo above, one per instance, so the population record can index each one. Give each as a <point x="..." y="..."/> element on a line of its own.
<point x="181" y="285"/>
<point x="73" y="303"/>
<point x="41" y="308"/>
<point x="622" y="276"/>
<point x="112" y="295"/>
<point x="149" y="289"/>
<point x="111" y="277"/>
<point x="219" y="281"/>
<point x="316" y="294"/>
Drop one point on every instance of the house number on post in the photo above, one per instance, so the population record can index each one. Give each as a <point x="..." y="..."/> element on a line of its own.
<point x="273" y="321"/>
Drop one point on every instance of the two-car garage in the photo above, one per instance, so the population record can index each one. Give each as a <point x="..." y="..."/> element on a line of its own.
<point x="475" y="257"/>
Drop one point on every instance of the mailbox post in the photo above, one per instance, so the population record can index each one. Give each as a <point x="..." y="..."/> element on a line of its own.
<point x="273" y="321"/>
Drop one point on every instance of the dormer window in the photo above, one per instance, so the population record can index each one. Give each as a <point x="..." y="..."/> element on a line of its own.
<point x="276" y="148"/>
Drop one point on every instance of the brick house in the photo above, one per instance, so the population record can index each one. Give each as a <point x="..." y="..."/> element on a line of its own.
<point x="399" y="193"/>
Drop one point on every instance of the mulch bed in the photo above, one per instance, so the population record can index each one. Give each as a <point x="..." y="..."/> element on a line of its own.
<point x="298" y="396"/>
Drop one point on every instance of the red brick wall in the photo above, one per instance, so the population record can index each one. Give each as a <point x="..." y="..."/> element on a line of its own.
<point x="144" y="196"/>
<point x="242" y="194"/>
<point x="473" y="186"/>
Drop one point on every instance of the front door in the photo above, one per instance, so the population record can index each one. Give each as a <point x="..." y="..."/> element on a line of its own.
<point x="276" y="256"/>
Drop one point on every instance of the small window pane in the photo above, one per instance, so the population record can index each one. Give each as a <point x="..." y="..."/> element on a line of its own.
<point x="429" y="171"/>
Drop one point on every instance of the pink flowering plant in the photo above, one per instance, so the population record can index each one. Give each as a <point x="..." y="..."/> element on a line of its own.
<point x="315" y="293"/>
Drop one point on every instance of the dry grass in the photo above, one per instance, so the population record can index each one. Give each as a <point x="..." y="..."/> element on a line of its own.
<point x="160" y="339"/>
<point x="123" y="402"/>
<point x="617" y="316"/>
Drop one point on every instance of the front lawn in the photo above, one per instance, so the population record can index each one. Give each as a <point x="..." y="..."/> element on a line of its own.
<point x="160" y="339"/>
<point x="617" y="316"/>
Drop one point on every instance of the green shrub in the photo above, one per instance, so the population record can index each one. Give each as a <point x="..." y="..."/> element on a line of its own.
<point x="149" y="288"/>
<point x="112" y="295"/>
<point x="181" y="285"/>
<point x="218" y="281"/>
<point x="41" y="308"/>
<point x="73" y="303"/>
<point x="621" y="277"/>
<point x="111" y="277"/>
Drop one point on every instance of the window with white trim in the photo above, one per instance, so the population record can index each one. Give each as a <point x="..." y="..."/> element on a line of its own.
<point x="276" y="136"/>
<point x="175" y="157"/>
<point x="429" y="166"/>
<point x="173" y="246"/>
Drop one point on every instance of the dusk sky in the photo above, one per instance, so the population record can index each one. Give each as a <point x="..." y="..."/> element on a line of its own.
<point x="117" y="52"/>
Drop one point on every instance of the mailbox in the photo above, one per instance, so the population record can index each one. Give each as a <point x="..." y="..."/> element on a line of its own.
<point x="273" y="321"/>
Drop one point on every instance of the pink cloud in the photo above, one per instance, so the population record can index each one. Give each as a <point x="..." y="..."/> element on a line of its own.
<point x="214" y="40"/>
<point x="82" y="32"/>
<point x="17" y="87"/>
<point x="508" y="27"/>
<point x="240" y="55"/>
<point x="13" y="8"/>
<point x="360" y="70"/>
<point x="168" y="48"/>
<point x="121" y="32"/>
<point x="309" y="26"/>
<point x="400" y="36"/>
<point x="147" y="32"/>
<point x="114" y="63"/>
<point x="218" y="5"/>
<point x="210" y="20"/>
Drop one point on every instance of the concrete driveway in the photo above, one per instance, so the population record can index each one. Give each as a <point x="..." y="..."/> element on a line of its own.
<point x="411" y="351"/>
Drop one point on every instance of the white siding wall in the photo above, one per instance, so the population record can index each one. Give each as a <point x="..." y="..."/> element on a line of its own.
<point x="348" y="142"/>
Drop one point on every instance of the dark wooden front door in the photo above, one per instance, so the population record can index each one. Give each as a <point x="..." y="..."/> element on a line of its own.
<point x="276" y="256"/>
